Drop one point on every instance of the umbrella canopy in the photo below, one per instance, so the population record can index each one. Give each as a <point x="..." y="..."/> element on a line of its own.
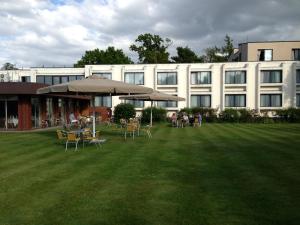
<point x="154" y="96"/>
<point x="94" y="85"/>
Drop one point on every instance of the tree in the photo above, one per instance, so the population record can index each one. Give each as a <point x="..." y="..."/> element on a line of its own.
<point x="8" y="66"/>
<point x="186" y="55"/>
<point x="151" y="48"/>
<point x="108" y="56"/>
<point x="219" y="54"/>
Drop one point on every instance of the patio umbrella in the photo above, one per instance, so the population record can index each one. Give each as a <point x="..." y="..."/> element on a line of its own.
<point x="154" y="96"/>
<point x="93" y="86"/>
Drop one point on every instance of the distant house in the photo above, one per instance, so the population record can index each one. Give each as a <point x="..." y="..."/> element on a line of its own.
<point x="267" y="51"/>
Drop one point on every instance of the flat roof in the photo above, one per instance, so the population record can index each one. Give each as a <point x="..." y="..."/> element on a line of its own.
<point x="250" y="42"/>
<point x="20" y="88"/>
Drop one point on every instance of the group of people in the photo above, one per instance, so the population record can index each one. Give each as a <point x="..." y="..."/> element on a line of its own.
<point x="183" y="119"/>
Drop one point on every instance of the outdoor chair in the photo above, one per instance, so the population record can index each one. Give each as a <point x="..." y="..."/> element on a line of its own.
<point x="147" y="130"/>
<point x="61" y="136"/>
<point x="72" y="139"/>
<point x="130" y="128"/>
<point x="87" y="136"/>
<point x="196" y="122"/>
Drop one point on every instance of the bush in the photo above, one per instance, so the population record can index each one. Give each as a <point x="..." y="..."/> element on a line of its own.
<point x="291" y="115"/>
<point x="230" y="115"/>
<point x="158" y="115"/>
<point x="123" y="111"/>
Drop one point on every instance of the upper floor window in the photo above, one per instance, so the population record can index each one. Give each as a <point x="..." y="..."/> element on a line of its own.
<point x="103" y="75"/>
<point x="46" y="79"/>
<point x="203" y="77"/>
<point x="166" y="78"/>
<point x="270" y="100"/>
<point x="134" y="78"/>
<point x="235" y="100"/>
<point x="296" y="53"/>
<point x="298" y="76"/>
<point x="103" y="101"/>
<point x="298" y="100"/>
<point x="235" y="77"/>
<point x="265" y="54"/>
<point x="200" y="100"/>
<point x="271" y="76"/>
<point x="25" y="79"/>
<point x="136" y="103"/>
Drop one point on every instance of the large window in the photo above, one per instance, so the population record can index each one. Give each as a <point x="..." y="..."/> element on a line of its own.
<point x="298" y="76"/>
<point x="296" y="53"/>
<point x="167" y="104"/>
<point x="46" y="79"/>
<point x="103" y="101"/>
<point x="25" y="79"/>
<point x="235" y="77"/>
<point x="200" y="101"/>
<point x="203" y="77"/>
<point x="103" y="75"/>
<point x="136" y="103"/>
<point x="235" y="100"/>
<point x="134" y="78"/>
<point x="166" y="78"/>
<point x="298" y="100"/>
<point x="271" y="76"/>
<point x="265" y="54"/>
<point x="270" y="100"/>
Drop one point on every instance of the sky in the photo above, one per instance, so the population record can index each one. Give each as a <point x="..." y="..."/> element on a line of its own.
<point x="37" y="33"/>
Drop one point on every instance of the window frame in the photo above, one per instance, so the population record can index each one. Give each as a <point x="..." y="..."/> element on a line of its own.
<point x="199" y="96"/>
<point x="197" y="73"/>
<point x="235" y="95"/>
<point x="294" y="54"/>
<point x="266" y="49"/>
<point x="134" y="77"/>
<point x="270" y="71"/>
<point x="134" y="101"/>
<point x="167" y="73"/>
<point x="103" y="75"/>
<point x="270" y="100"/>
<point x="235" y="76"/>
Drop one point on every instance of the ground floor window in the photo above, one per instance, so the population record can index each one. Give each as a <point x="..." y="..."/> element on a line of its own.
<point x="103" y="101"/>
<point x="9" y="113"/>
<point x="270" y="100"/>
<point x="298" y="100"/>
<point x="235" y="100"/>
<point x="35" y="112"/>
<point x="201" y="101"/>
<point x="136" y="103"/>
<point x="167" y="104"/>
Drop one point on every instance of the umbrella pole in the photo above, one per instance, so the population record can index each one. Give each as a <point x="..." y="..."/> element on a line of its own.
<point x="151" y="114"/>
<point x="94" y="117"/>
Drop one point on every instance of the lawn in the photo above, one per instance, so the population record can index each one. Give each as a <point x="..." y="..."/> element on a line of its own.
<point x="218" y="174"/>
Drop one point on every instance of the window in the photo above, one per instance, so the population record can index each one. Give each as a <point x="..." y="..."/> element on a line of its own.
<point x="298" y="100"/>
<point x="134" y="78"/>
<point x="167" y="78"/>
<point x="57" y="79"/>
<point x="136" y="103"/>
<point x="103" y="101"/>
<point x="167" y="104"/>
<point x="265" y="54"/>
<point x="25" y="79"/>
<point x="235" y="77"/>
<point x="296" y="53"/>
<point x="203" y="77"/>
<point x="298" y="76"/>
<point x="200" y="101"/>
<point x="271" y="76"/>
<point x="270" y="100"/>
<point x="103" y="75"/>
<point x="235" y="100"/>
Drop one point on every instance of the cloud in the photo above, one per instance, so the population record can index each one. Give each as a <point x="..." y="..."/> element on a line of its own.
<point x="57" y="32"/>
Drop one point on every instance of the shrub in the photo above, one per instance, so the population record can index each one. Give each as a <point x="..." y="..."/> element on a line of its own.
<point x="289" y="115"/>
<point x="230" y="115"/>
<point x="186" y="110"/>
<point x="123" y="111"/>
<point x="158" y="115"/>
<point x="208" y="114"/>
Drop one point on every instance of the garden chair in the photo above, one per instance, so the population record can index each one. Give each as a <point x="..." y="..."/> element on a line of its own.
<point x="130" y="128"/>
<point x="196" y="122"/>
<point x="61" y="136"/>
<point x="87" y="136"/>
<point x="72" y="139"/>
<point x="147" y="130"/>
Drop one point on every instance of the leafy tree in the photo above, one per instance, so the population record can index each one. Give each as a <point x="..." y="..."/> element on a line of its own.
<point x="108" y="56"/>
<point x="151" y="48"/>
<point x="219" y="54"/>
<point x="8" y="66"/>
<point x="186" y="55"/>
<point x="124" y="111"/>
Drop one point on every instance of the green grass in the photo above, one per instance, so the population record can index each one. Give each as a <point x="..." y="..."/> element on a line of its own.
<point x="217" y="174"/>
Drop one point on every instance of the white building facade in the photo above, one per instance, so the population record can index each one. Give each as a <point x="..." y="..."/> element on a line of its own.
<point x="262" y="86"/>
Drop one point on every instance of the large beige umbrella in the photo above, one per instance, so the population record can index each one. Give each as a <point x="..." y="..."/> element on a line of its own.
<point x="154" y="96"/>
<point x="94" y="85"/>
